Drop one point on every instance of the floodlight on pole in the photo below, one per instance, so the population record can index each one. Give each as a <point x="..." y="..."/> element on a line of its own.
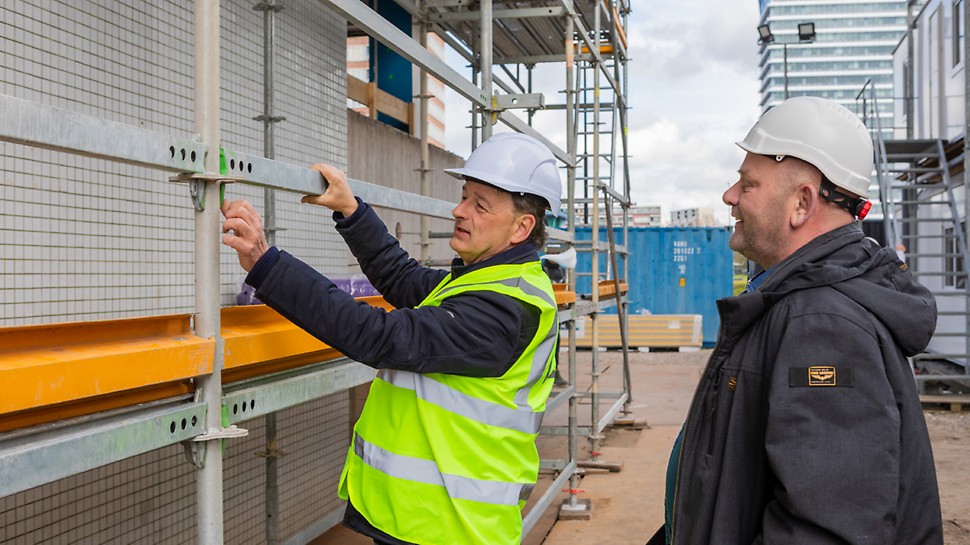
<point x="806" y="34"/>
<point x="765" y="33"/>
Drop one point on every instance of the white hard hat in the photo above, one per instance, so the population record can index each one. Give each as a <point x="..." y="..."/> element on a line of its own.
<point x="517" y="163"/>
<point x="820" y="132"/>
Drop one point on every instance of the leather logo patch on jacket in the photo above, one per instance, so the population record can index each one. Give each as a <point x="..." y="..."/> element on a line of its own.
<point x="819" y="376"/>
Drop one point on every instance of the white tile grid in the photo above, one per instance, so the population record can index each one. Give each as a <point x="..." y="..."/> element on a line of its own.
<point x="85" y="239"/>
<point x="150" y="498"/>
<point x="317" y="436"/>
<point x="133" y="78"/>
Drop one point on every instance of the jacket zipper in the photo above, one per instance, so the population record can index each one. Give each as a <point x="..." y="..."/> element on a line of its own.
<point x="713" y="410"/>
<point x="715" y="353"/>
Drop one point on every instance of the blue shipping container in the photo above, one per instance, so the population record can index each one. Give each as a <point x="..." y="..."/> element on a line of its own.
<point x="673" y="270"/>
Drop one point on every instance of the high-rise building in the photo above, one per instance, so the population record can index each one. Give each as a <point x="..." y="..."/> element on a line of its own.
<point x="853" y="45"/>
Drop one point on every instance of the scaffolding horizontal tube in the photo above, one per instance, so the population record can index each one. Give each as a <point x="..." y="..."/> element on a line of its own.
<point x="276" y="395"/>
<point x="44" y="457"/>
<point x="257" y="170"/>
<point x="611" y="414"/>
<point x="518" y="13"/>
<point x="402" y="44"/>
<point x="530" y="520"/>
<point x="585" y="308"/>
<point x="31" y="124"/>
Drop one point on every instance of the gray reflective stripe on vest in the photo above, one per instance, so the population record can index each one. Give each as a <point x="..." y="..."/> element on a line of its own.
<point x="426" y="471"/>
<point x="519" y="282"/>
<point x="523" y="419"/>
<point x="539" y="359"/>
<point x="543" y="351"/>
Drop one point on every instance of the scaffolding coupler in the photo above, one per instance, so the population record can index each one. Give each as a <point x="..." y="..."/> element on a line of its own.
<point x="522" y="101"/>
<point x="197" y="181"/>
<point x="196" y="455"/>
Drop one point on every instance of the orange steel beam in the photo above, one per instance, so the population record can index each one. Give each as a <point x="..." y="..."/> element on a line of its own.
<point x="56" y="363"/>
<point x="604" y="49"/>
<point x="56" y="371"/>
<point x="618" y="25"/>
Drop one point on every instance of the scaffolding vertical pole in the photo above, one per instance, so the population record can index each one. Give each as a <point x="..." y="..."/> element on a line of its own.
<point x="528" y="70"/>
<point x="425" y="144"/>
<point x="571" y="228"/>
<point x="209" y="388"/>
<point x="476" y="67"/>
<point x="485" y="56"/>
<point x="966" y="176"/>
<point x="619" y="105"/>
<point x="910" y="84"/>
<point x="272" y="493"/>
<point x="595" y="436"/>
<point x="624" y="131"/>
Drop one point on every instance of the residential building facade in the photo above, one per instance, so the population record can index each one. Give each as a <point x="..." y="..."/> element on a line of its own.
<point x="930" y="80"/>
<point x="692" y="217"/>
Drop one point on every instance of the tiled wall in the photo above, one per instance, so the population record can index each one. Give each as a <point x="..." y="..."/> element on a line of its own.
<point x="86" y="239"/>
<point x="151" y="499"/>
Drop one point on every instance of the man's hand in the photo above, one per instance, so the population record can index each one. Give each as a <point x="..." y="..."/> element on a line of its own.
<point x="338" y="196"/>
<point x="243" y="232"/>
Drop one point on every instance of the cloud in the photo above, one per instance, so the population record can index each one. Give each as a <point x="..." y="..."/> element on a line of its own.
<point x="693" y="92"/>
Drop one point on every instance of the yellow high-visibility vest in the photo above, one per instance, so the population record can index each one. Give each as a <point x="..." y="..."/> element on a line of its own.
<point x="441" y="459"/>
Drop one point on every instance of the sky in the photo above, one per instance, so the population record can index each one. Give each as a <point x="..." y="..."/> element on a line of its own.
<point x="693" y="92"/>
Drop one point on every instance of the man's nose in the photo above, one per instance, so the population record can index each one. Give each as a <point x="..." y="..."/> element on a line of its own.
<point x="730" y="197"/>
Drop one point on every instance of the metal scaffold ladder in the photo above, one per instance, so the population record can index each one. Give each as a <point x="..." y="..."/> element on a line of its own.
<point x="922" y="215"/>
<point x="600" y="121"/>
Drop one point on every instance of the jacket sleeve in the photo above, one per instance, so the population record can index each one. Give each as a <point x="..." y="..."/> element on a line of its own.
<point x="474" y="334"/>
<point x="832" y="441"/>
<point x="401" y="280"/>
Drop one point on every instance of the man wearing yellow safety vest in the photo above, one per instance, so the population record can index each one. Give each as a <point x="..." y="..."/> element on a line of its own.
<point x="444" y="451"/>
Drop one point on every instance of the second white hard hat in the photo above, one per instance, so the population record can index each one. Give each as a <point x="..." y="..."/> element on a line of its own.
<point x="517" y="163"/>
<point x="820" y="132"/>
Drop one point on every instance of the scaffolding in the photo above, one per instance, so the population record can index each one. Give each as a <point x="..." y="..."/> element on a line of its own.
<point x="116" y="389"/>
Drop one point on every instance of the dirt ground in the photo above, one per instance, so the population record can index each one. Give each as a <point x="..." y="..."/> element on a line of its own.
<point x="628" y="504"/>
<point x="950" y="435"/>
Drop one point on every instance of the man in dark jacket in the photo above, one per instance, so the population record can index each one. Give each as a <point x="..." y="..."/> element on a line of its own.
<point x="806" y="427"/>
<point x="444" y="451"/>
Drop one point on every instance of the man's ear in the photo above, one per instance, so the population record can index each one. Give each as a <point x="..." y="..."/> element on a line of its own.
<point x="523" y="228"/>
<point x="806" y="203"/>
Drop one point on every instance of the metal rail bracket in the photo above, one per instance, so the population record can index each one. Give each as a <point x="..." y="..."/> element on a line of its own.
<point x="197" y="183"/>
<point x="194" y="448"/>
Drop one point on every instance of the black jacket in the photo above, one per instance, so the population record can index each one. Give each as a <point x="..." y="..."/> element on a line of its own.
<point x="806" y="427"/>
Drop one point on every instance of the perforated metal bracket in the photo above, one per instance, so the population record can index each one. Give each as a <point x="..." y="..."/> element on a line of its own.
<point x="222" y="433"/>
<point x="197" y="183"/>
<point x="520" y="101"/>
<point x="194" y="448"/>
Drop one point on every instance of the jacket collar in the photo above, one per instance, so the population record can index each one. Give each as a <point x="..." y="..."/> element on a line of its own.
<point x="749" y="306"/>
<point x="516" y="255"/>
